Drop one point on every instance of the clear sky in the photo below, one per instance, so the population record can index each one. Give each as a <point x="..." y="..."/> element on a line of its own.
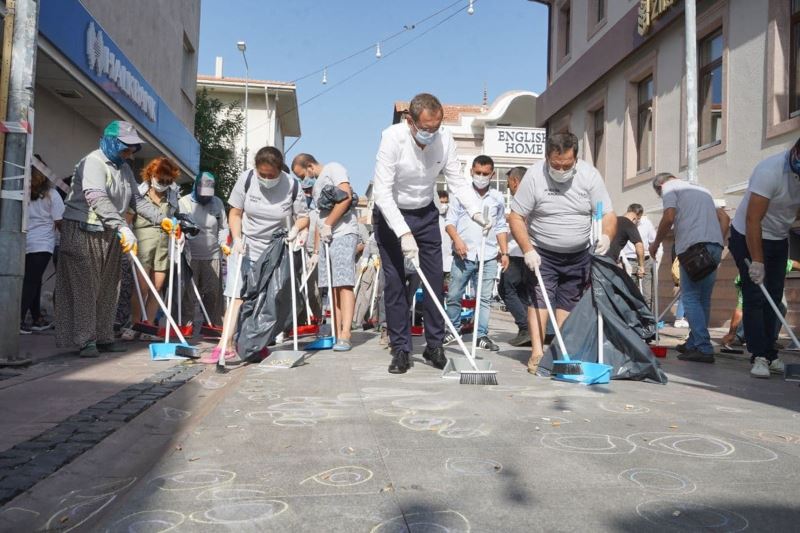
<point x="503" y="45"/>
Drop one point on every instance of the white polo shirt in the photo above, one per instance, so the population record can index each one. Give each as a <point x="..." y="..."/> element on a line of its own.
<point x="405" y="174"/>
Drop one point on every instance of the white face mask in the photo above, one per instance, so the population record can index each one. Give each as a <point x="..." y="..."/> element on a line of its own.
<point x="158" y="187"/>
<point x="561" y="176"/>
<point x="442" y="210"/>
<point x="269" y="183"/>
<point x="481" y="182"/>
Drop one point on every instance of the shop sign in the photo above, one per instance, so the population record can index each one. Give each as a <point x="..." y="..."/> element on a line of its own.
<point x="527" y="143"/>
<point x="105" y="64"/>
<point x="650" y="11"/>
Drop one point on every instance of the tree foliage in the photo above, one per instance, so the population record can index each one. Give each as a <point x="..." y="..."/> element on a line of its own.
<point x="217" y="127"/>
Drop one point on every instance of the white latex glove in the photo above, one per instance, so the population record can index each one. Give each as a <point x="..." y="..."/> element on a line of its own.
<point x="302" y="238"/>
<point x="409" y="247"/>
<point x="312" y="262"/>
<point x="603" y="244"/>
<point x="238" y="246"/>
<point x="756" y="272"/>
<point x="532" y="259"/>
<point x="292" y="234"/>
<point x="486" y="225"/>
<point x="127" y="239"/>
<point x="325" y="234"/>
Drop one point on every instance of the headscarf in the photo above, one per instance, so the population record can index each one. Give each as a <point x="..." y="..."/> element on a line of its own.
<point x="204" y="180"/>
<point x="112" y="144"/>
<point x="111" y="147"/>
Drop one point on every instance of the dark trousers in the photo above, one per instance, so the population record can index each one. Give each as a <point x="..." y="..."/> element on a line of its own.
<point x="515" y="291"/>
<point x="761" y="326"/>
<point x="35" y="265"/>
<point x="424" y="224"/>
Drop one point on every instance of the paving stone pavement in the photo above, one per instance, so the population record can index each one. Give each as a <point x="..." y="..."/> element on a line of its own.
<point x="341" y="445"/>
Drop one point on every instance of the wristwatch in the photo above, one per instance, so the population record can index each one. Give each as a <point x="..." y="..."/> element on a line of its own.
<point x="504" y="253"/>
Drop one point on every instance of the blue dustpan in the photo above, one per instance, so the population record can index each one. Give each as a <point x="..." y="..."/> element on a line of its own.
<point x="323" y="343"/>
<point x="165" y="351"/>
<point x="593" y="374"/>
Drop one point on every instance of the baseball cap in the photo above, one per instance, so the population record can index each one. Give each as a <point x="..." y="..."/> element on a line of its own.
<point x="124" y="131"/>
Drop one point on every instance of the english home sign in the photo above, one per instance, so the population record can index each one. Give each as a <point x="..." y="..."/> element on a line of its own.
<point x="523" y="143"/>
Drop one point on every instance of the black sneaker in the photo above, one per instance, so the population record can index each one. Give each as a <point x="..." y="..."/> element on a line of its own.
<point x="448" y="339"/>
<point x="523" y="338"/>
<point x="24" y="329"/>
<point x="111" y="347"/>
<point x="487" y="344"/>
<point x="681" y="348"/>
<point x="41" y="325"/>
<point x="435" y="356"/>
<point x="401" y="362"/>
<point x="696" y="356"/>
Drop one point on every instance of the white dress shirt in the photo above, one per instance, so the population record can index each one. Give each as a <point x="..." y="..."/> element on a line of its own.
<point x="471" y="233"/>
<point x="405" y="174"/>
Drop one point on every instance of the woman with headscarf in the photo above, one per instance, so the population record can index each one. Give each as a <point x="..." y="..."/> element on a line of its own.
<point x="93" y="237"/>
<point x="260" y="202"/>
<point x="159" y="189"/>
<point x="208" y="213"/>
<point x="44" y="220"/>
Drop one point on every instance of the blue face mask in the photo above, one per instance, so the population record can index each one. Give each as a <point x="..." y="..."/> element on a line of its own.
<point x="425" y="137"/>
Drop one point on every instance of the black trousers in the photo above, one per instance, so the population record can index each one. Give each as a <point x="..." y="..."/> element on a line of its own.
<point x="514" y="289"/>
<point x="424" y="224"/>
<point x="35" y="265"/>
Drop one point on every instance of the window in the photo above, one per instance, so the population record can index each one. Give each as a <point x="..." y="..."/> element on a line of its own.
<point x="709" y="94"/>
<point x="600" y="10"/>
<point x="794" y="66"/>
<point x="189" y="69"/>
<point x="598" y="147"/>
<point x="564" y="31"/>
<point x="644" y="125"/>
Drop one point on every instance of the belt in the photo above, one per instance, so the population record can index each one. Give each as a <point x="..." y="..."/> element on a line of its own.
<point x="634" y="258"/>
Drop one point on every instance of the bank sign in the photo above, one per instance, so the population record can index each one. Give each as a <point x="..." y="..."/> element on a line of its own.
<point x="522" y="143"/>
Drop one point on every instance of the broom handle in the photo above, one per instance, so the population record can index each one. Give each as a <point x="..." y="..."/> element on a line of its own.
<point x="305" y="293"/>
<point x="200" y="300"/>
<point x="179" y="260"/>
<point x="654" y="293"/>
<point x="479" y="284"/>
<point x="229" y="314"/>
<point x="292" y="282"/>
<point x="667" y="308"/>
<point x="142" y="307"/>
<point x="330" y="291"/>
<point x="444" y="314"/>
<point x="170" y="286"/>
<point x="551" y="314"/>
<point x="598" y="229"/>
<point x="375" y="280"/>
<point x="776" y="310"/>
<point x="157" y="297"/>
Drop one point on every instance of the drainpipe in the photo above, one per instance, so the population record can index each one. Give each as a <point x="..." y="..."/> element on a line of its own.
<point x="691" y="90"/>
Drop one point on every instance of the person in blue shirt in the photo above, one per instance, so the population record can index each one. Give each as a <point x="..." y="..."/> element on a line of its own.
<point x="467" y="235"/>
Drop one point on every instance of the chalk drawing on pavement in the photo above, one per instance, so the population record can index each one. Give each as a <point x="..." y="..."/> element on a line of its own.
<point x="153" y="521"/>
<point x="588" y="443"/>
<point x="240" y="512"/>
<point x="690" y="516"/>
<point x="356" y="452"/>
<point x="656" y="480"/>
<point x="544" y="420"/>
<point x="100" y="490"/>
<point x="703" y="446"/>
<point x="425" y="404"/>
<point x="727" y="409"/>
<point x="775" y="437"/>
<point x="171" y="414"/>
<point x="435" y="521"/>
<point x="343" y="476"/>
<point x="232" y="493"/>
<point x="463" y="433"/>
<point x="623" y="409"/>
<point x="472" y="466"/>
<point x="426" y="423"/>
<point x="75" y="515"/>
<point x="394" y="412"/>
<point x="193" y="479"/>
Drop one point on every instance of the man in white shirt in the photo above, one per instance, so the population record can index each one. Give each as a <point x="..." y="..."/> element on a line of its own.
<point x="648" y="234"/>
<point x="514" y="281"/>
<point x="760" y="233"/>
<point x="467" y="237"/>
<point x="410" y="158"/>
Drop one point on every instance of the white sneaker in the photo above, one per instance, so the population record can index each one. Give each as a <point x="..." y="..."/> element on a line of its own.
<point x="760" y="368"/>
<point x="681" y="323"/>
<point x="776" y="366"/>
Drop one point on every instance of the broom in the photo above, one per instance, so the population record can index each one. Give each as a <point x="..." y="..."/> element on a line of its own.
<point x="143" y="326"/>
<point x="565" y="366"/>
<point x="226" y="326"/>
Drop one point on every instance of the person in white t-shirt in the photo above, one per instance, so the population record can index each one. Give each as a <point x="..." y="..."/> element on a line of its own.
<point x="44" y="219"/>
<point x="760" y="236"/>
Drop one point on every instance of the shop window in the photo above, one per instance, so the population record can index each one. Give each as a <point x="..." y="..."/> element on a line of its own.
<point x="709" y="97"/>
<point x="598" y="138"/>
<point x="794" y="66"/>
<point x="564" y="32"/>
<point x="644" y="125"/>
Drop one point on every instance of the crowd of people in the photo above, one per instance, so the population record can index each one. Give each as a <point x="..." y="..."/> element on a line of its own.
<point x="542" y="243"/>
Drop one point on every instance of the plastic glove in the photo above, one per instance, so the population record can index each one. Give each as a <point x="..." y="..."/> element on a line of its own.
<point x="325" y="233"/>
<point x="302" y="238"/>
<point x="238" y="246"/>
<point x="756" y="272"/>
<point x="169" y="224"/>
<point x="313" y="261"/>
<point x="409" y="246"/>
<point x="292" y="234"/>
<point x="485" y="224"/>
<point x="225" y="249"/>
<point x="127" y="239"/>
<point x="603" y="244"/>
<point x="376" y="261"/>
<point x="532" y="259"/>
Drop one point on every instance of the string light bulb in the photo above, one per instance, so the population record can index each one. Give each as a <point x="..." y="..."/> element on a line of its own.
<point x="471" y="8"/>
<point x="378" y="51"/>
<point x="325" y="76"/>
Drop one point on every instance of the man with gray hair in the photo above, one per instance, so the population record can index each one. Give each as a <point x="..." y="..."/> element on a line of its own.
<point x="411" y="156"/>
<point x="699" y="229"/>
<point x="551" y="220"/>
<point x="514" y="286"/>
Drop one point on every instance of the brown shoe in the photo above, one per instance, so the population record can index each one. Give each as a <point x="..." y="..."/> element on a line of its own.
<point x="533" y="364"/>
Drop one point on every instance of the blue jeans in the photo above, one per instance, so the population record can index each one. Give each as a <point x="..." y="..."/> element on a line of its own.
<point x="696" y="296"/>
<point x="460" y="274"/>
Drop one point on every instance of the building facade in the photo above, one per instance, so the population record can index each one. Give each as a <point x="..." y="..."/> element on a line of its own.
<point x="617" y="79"/>
<point x="271" y="113"/>
<point x="98" y="61"/>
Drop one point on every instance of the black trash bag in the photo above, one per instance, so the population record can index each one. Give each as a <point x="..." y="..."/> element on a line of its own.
<point x="330" y="196"/>
<point x="627" y="323"/>
<point x="267" y="307"/>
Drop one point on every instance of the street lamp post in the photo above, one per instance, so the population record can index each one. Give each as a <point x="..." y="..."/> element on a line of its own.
<point x="242" y="46"/>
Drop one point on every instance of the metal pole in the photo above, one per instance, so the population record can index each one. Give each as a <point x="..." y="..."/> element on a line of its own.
<point x="246" y="106"/>
<point x="691" y="90"/>
<point x="12" y="238"/>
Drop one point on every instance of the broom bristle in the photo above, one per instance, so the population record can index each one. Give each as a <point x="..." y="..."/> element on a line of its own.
<point x="567" y="368"/>
<point x="187" y="351"/>
<point x="479" y="377"/>
<point x="145" y="327"/>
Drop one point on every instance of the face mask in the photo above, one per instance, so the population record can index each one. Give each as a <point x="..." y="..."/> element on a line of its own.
<point x="425" y="137"/>
<point x="560" y="176"/>
<point x="269" y="183"/>
<point x="442" y="210"/>
<point x="158" y="187"/>
<point x="481" y="182"/>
